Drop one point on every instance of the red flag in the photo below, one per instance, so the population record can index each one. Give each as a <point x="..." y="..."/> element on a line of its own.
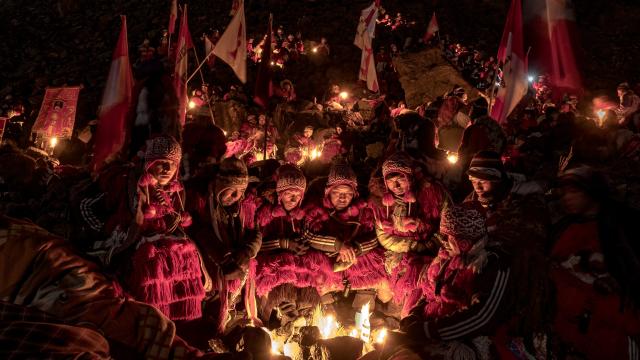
<point x="173" y="16"/>
<point x="116" y="100"/>
<point x="180" y="71"/>
<point x="232" y="46"/>
<point x="552" y="31"/>
<point x="366" y="24"/>
<point x="368" y="66"/>
<point x="511" y="54"/>
<point x="264" y="87"/>
<point x="432" y="28"/>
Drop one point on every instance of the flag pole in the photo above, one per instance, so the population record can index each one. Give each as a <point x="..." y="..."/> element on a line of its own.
<point x="199" y="65"/>
<point x="202" y="78"/>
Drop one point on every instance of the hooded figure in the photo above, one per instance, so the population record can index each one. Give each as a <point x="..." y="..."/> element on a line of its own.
<point x="224" y="230"/>
<point x="165" y="266"/>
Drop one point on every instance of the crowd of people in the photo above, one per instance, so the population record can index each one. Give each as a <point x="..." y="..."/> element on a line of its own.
<point x="470" y="239"/>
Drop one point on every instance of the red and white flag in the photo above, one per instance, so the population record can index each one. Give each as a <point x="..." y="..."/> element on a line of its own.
<point x="180" y="71"/>
<point x="366" y="24"/>
<point x="552" y="34"/>
<point x="173" y="16"/>
<point x="368" y="66"/>
<point x="232" y="46"/>
<point x="208" y="49"/>
<point x="432" y="29"/>
<point x="57" y="112"/>
<point x="116" y="101"/>
<point x="511" y="54"/>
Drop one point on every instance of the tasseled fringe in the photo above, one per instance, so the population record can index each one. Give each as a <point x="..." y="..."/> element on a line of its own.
<point x="368" y="271"/>
<point x="168" y="272"/>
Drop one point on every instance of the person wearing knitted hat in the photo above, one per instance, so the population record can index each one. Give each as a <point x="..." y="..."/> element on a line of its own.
<point x="225" y="231"/>
<point x="518" y="219"/>
<point x="595" y="269"/>
<point x="341" y="225"/>
<point x="629" y="106"/>
<point x="165" y="266"/>
<point x="283" y="258"/>
<point x="407" y="213"/>
<point x="466" y="289"/>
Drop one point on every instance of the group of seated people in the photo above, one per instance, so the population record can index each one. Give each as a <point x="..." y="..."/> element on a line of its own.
<point x="218" y="249"/>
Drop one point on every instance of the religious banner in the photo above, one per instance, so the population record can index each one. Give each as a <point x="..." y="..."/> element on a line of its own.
<point x="57" y="112"/>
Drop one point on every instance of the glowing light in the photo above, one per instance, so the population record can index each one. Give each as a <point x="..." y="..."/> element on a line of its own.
<point x="328" y="326"/>
<point x="362" y="323"/>
<point x="53" y="142"/>
<point x="259" y="156"/>
<point x="272" y="63"/>
<point x="314" y="154"/>
<point x="344" y="95"/>
<point x="530" y="78"/>
<point x="315" y="50"/>
<point x="452" y="158"/>
<point x="192" y="104"/>
<point x="382" y="336"/>
<point x="275" y="343"/>
<point x="600" y="114"/>
<point x="224" y="132"/>
<point x="353" y="333"/>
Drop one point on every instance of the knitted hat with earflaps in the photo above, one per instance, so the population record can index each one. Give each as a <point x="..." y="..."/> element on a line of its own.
<point x="399" y="163"/>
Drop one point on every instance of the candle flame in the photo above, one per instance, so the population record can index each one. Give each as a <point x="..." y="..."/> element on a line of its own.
<point x="382" y="336"/>
<point x="192" y="104"/>
<point x="328" y="325"/>
<point x="452" y="158"/>
<point x="344" y="95"/>
<point x="53" y="142"/>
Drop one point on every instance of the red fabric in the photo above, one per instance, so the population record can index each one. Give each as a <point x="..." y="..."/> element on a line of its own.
<point x="512" y="55"/>
<point x="405" y="281"/>
<point x="608" y="328"/>
<point x="166" y="274"/>
<point x="116" y="101"/>
<point x="552" y="34"/>
<point x="368" y="272"/>
<point x="313" y="269"/>
<point x="456" y="287"/>
<point x="173" y="16"/>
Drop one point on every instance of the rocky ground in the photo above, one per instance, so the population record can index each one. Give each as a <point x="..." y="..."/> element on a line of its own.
<point x="58" y="42"/>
